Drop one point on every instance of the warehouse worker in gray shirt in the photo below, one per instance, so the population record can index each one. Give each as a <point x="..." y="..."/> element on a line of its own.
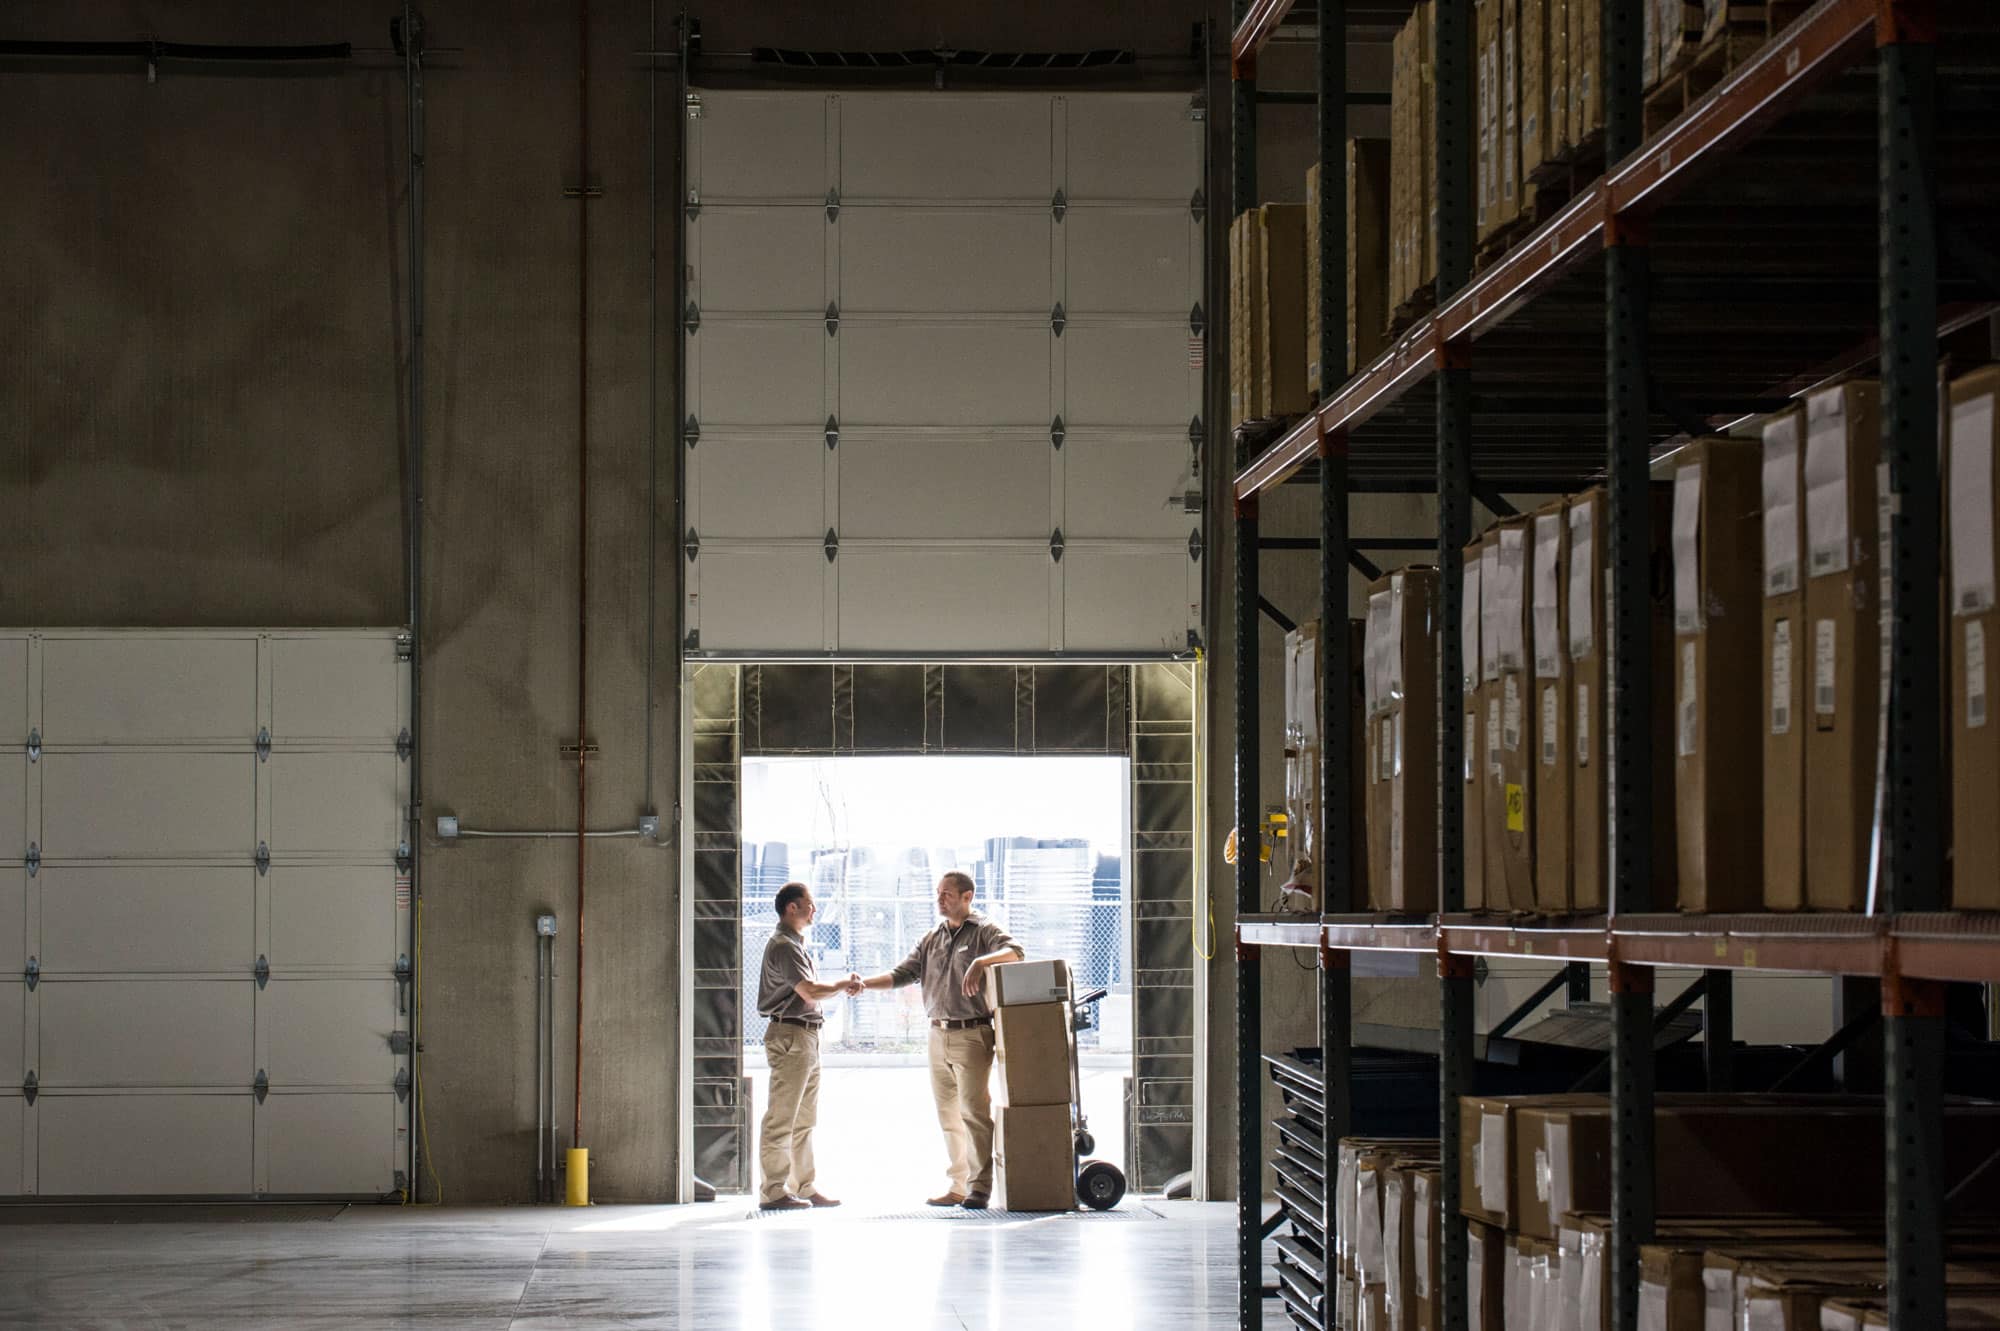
<point x="951" y="962"/>
<point x="789" y="993"/>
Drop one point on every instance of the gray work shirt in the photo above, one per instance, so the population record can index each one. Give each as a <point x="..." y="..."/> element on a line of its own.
<point x="941" y="959"/>
<point x="786" y="962"/>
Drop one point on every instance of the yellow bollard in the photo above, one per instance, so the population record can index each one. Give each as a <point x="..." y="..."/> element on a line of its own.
<point x="577" y="1191"/>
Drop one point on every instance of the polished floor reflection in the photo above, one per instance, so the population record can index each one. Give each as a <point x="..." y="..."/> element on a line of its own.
<point x="1158" y="1265"/>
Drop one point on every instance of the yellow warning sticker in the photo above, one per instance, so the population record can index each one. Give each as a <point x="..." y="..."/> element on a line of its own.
<point x="1516" y="809"/>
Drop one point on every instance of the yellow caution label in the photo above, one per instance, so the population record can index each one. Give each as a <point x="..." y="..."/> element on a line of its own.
<point x="1517" y="805"/>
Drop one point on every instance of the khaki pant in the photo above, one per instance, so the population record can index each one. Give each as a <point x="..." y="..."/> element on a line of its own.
<point x="961" y="1067"/>
<point x="785" y="1148"/>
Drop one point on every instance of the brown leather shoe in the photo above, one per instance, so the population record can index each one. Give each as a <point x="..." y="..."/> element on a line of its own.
<point x="821" y="1199"/>
<point x="785" y="1204"/>
<point x="948" y="1199"/>
<point x="975" y="1201"/>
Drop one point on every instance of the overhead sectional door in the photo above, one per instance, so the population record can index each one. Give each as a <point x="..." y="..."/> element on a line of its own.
<point x="203" y="907"/>
<point x="944" y="374"/>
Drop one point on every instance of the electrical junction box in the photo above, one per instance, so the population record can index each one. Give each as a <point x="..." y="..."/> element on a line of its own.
<point x="545" y="925"/>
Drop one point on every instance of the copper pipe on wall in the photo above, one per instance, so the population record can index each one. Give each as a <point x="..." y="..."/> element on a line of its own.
<point x="582" y="516"/>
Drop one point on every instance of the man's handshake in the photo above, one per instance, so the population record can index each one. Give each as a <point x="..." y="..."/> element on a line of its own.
<point x="851" y="985"/>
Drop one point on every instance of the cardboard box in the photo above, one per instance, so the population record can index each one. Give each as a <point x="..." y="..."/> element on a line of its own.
<point x="1486" y="1259"/>
<point x="1403" y="153"/>
<point x="1426" y="55"/>
<point x="1304" y="768"/>
<point x="1402" y="808"/>
<point x="1242" y="320"/>
<point x="1031" y="1053"/>
<point x="1553" y="750"/>
<point x="1426" y="1249"/>
<point x="1034" y="1158"/>
<point x="1718" y="757"/>
<point x="1507" y="634"/>
<point x="1783" y="633"/>
<point x="1534" y="97"/>
<point x="1510" y="113"/>
<point x="1586" y="82"/>
<point x="1267" y="299"/>
<point x="1968" y="1312"/>
<point x="1038" y="982"/>
<point x="1399" y="1214"/>
<point x="1670" y="1287"/>
<point x="1843" y="579"/>
<point x="1975" y="633"/>
<point x="1555" y="92"/>
<point x="1486" y="117"/>
<point x="1368" y="298"/>
<point x="1492" y="802"/>
<point x="1487" y="1127"/>
<point x="1473" y="805"/>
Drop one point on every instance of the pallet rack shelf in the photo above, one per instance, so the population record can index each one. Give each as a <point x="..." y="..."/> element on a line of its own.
<point x="1784" y="230"/>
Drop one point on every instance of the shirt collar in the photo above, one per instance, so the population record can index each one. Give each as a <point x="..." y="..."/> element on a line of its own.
<point x="784" y="928"/>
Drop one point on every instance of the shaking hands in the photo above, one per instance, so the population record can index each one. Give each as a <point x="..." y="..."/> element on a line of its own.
<point x="851" y="985"/>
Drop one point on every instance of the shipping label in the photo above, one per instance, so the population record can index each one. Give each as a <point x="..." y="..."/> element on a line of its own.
<point x="1551" y="717"/>
<point x="1687" y="701"/>
<point x="1823" y="667"/>
<point x="1975" y="674"/>
<point x="1781" y="677"/>
<point x="1583" y="725"/>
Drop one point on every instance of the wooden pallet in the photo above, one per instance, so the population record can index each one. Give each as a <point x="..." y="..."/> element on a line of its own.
<point x="1412" y="308"/>
<point x="1575" y="167"/>
<point x="1711" y="63"/>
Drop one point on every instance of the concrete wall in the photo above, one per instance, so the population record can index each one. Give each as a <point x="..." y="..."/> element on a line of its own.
<point x="202" y="351"/>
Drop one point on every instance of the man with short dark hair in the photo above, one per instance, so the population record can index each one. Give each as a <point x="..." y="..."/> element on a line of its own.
<point x="951" y="962"/>
<point x="789" y="993"/>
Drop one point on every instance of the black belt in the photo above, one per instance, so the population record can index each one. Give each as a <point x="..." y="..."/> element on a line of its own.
<point x="795" y="1021"/>
<point x="960" y="1023"/>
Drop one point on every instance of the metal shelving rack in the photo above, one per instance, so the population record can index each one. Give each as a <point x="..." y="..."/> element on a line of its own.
<point x="1740" y="255"/>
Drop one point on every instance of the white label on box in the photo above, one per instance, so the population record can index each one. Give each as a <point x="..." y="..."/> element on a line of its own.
<point x="1687" y="548"/>
<point x="1823" y="653"/>
<point x="1781" y="677"/>
<point x="1581" y="554"/>
<point x="1396" y="841"/>
<point x="1493" y="737"/>
<point x="1368" y="1242"/>
<point x="1551" y="718"/>
<point x="1392" y="649"/>
<point x="1547" y="593"/>
<point x="1468" y="624"/>
<point x="1781" y="504"/>
<point x="1471" y="745"/>
<point x="1652" y="1306"/>
<point x="1975" y="674"/>
<point x="1388" y="742"/>
<point x="1420" y="1236"/>
<point x="1556" y="1137"/>
<point x="1687" y="701"/>
<point x="1583" y="725"/>
<point x="1510" y="716"/>
<point x="1489" y="611"/>
<point x="1374" y="652"/>
<point x="1826" y="482"/>
<point x="1508" y="591"/>
<point x="1971" y="494"/>
<point x="1493" y="1162"/>
<point x="1396" y="761"/>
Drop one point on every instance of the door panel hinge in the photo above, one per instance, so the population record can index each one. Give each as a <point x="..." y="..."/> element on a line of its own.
<point x="693" y="204"/>
<point x="34" y="746"/>
<point x="691" y="319"/>
<point x="1058" y="320"/>
<point x="405" y="746"/>
<point x="1197" y="434"/>
<point x="832" y="319"/>
<point x="1197" y="107"/>
<point x="262" y="970"/>
<point x="262" y="1086"/>
<point x="1057" y="432"/>
<point x="832" y="431"/>
<point x="1194" y="640"/>
<point x="691" y="432"/>
<point x="692" y="642"/>
<point x="402" y="1084"/>
<point x="264" y="744"/>
<point x="1197" y="321"/>
<point x="263" y="858"/>
<point x="32" y="974"/>
<point x="691" y="544"/>
<point x="402" y="985"/>
<point x="1198" y="206"/>
<point x="694" y="106"/>
<point x="399" y="1042"/>
<point x="405" y="861"/>
<point x="833" y="205"/>
<point x="1056" y="545"/>
<point x="831" y="545"/>
<point x="31" y="1086"/>
<point x="1059" y="206"/>
<point x="406" y="646"/>
<point x="1194" y="545"/>
<point x="34" y="858"/>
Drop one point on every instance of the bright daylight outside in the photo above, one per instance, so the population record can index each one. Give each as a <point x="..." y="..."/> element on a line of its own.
<point x="1043" y="838"/>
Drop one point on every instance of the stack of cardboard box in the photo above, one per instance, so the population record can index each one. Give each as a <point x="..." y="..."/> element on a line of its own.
<point x="1267" y="352"/>
<point x="1034" y="1136"/>
<point x="1412" y="159"/>
<point x="1367" y="248"/>
<point x="1972" y="490"/>
<point x="1399" y="652"/>
<point x="1386" y="1243"/>
<point x="1303" y="754"/>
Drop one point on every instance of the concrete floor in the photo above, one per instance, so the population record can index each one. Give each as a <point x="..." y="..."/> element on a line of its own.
<point x="1160" y="1265"/>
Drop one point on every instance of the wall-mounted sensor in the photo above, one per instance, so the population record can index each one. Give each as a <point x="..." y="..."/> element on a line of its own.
<point x="545" y="925"/>
<point x="447" y="826"/>
<point x="649" y="826"/>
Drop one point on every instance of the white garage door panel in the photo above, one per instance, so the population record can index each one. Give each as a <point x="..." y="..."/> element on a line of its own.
<point x="147" y="1032"/>
<point x="330" y="1032"/>
<point x="110" y="805"/>
<point x="767" y="485"/>
<point x="964" y="487"/>
<point x="1119" y="599"/>
<point x="14" y="836"/>
<point x="759" y="373"/>
<point x="951" y="374"/>
<point x="897" y="146"/>
<point x="144" y="689"/>
<point x="760" y="146"/>
<point x="335" y="803"/>
<point x="929" y="599"/>
<point x="11" y="1112"/>
<point x="759" y="259"/>
<point x="1103" y="134"/>
<point x="1131" y="374"/>
<point x="329" y="1144"/>
<point x="1118" y="486"/>
<point x="149" y="918"/>
<point x="333" y="915"/>
<point x="14" y="725"/>
<point x="914" y="260"/>
<point x="768" y="599"/>
<point x="144" y="1145"/>
<point x="1123" y="261"/>
<point x="13" y="999"/>
<point x="347" y="688"/>
<point x="13" y="917"/>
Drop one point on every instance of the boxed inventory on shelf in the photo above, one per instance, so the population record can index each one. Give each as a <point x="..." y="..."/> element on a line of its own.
<point x="1962" y="1312"/>
<point x="1303" y="753"/>
<point x="1367" y="250"/>
<point x="1493" y="847"/>
<point x="1551" y="756"/>
<point x="1267" y="356"/>
<point x="1783" y="680"/>
<point x="1718" y="757"/>
<point x="1473" y="804"/>
<point x="1974" y="623"/>
<point x="1505" y="634"/>
<point x="1400" y="652"/>
<point x="1412" y="158"/>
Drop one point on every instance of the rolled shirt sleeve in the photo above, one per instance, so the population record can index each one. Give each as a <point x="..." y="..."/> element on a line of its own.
<point x="992" y="938"/>
<point x="912" y="968"/>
